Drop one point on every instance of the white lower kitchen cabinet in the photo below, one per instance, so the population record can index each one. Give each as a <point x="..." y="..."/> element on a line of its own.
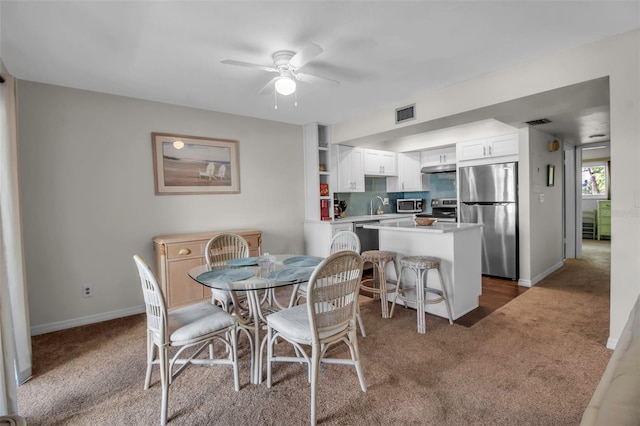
<point x="318" y="234"/>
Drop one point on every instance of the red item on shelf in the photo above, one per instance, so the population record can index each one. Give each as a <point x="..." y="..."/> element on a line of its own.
<point x="324" y="189"/>
<point x="324" y="210"/>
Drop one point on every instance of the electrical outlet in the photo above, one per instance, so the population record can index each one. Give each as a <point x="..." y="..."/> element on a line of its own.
<point x="385" y="201"/>
<point x="87" y="290"/>
<point x="541" y="198"/>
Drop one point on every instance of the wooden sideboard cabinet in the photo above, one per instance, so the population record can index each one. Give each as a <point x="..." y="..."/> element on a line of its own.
<point x="176" y="254"/>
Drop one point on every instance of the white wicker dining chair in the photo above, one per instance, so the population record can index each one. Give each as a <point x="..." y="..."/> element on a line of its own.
<point x="328" y="317"/>
<point x="192" y="329"/>
<point x="218" y="251"/>
<point x="341" y="241"/>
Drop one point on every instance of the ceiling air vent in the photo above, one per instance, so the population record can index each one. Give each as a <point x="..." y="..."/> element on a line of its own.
<point x="405" y="113"/>
<point x="538" y="122"/>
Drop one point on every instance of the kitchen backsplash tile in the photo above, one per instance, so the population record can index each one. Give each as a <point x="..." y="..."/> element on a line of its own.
<point x="443" y="185"/>
<point x="358" y="203"/>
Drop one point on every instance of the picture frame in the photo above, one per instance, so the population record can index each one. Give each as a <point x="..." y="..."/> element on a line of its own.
<point x="551" y="174"/>
<point x="195" y="165"/>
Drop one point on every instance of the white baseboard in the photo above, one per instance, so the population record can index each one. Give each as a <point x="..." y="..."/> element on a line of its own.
<point x="91" y="319"/>
<point x="612" y="343"/>
<point x="541" y="276"/>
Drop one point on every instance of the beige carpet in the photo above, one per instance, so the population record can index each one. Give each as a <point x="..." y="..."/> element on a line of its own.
<point x="535" y="361"/>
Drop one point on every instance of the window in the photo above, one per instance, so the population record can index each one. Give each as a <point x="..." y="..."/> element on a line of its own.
<point x="594" y="179"/>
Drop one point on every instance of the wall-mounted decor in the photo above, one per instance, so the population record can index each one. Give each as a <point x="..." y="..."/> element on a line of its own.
<point x="195" y="165"/>
<point x="551" y="174"/>
<point x="554" y="145"/>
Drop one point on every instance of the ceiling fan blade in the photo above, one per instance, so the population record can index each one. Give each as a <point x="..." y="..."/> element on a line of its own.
<point x="307" y="53"/>
<point x="249" y="65"/>
<point x="268" y="88"/>
<point x="313" y="79"/>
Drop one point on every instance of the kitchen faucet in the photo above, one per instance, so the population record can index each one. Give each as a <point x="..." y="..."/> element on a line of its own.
<point x="371" y="203"/>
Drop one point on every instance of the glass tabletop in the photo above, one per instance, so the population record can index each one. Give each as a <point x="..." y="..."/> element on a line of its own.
<point x="282" y="272"/>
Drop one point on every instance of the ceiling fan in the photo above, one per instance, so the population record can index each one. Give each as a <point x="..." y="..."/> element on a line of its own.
<point x="287" y="65"/>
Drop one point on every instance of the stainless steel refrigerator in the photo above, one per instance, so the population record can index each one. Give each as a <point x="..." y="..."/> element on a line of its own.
<point x="489" y="195"/>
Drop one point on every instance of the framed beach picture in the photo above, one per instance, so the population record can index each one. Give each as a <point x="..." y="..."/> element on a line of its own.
<point x="195" y="165"/>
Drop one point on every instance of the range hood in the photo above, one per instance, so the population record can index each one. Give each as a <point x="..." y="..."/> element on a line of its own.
<point x="440" y="168"/>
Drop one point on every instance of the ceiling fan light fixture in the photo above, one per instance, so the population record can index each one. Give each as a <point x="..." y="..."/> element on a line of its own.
<point x="285" y="85"/>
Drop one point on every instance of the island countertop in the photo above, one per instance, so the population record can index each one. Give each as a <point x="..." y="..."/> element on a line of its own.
<point x="404" y="225"/>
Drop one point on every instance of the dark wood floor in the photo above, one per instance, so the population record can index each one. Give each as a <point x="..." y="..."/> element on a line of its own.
<point x="496" y="292"/>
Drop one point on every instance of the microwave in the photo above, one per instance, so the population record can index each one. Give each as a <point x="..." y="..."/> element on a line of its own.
<point x="409" y="205"/>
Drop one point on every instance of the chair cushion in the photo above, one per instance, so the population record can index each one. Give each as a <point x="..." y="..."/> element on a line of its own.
<point x="224" y="296"/>
<point x="197" y="320"/>
<point x="378" y="255"/>
<point x="293" y="324"/>
<point x="421" y="262"/>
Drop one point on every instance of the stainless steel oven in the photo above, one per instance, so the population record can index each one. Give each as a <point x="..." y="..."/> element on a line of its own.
<point x="443" y="210"/>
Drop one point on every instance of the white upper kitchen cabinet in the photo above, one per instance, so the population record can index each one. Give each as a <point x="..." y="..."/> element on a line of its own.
<point x="380" y="163"/>
<point x="488" y="148"/>
<point x="409" y="177"/>
<point x="350" y="169"/>
<point x="438" y="157"/>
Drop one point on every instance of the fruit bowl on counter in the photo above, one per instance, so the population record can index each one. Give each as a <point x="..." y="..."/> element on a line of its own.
<point x="424" y="221"/>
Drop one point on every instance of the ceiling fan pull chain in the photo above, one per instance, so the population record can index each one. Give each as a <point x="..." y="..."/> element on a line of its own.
<point x="295" y="98"/>
<point x="275" y="99"/>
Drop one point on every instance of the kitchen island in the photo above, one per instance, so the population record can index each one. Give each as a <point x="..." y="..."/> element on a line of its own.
<point x="458" y="247"/>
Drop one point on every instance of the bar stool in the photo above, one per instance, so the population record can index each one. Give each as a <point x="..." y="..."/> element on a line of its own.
<point x="421" y="265"/>
<point x="380" y="261"/>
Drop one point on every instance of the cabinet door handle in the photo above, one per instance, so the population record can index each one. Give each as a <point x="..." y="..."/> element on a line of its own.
<point x="490" y="153"/>
<point x="184" y="251"/>
<point x="484" y="151"/>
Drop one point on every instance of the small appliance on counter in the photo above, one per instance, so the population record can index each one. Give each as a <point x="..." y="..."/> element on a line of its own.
<point x="442" y="209"/>
<point x="409" y="205"/>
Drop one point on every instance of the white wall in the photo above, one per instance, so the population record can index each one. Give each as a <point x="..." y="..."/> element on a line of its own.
<point x="545" y="215"/>
<point x="88" y="203"/>
<point x="540" y="221"/>
<point x="596" y="154"/>
<point x="617" y="57"/>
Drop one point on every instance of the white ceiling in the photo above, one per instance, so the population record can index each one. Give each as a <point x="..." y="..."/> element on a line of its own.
<point x="382" y="52"/>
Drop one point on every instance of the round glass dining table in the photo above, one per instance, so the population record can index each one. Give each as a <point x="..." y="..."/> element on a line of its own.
<point x="252" y="275"/>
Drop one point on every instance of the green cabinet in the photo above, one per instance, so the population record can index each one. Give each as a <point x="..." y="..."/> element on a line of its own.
<point x="604" y="218"/>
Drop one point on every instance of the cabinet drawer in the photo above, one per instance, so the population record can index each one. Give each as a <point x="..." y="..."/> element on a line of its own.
<point x="177" y="251"/>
